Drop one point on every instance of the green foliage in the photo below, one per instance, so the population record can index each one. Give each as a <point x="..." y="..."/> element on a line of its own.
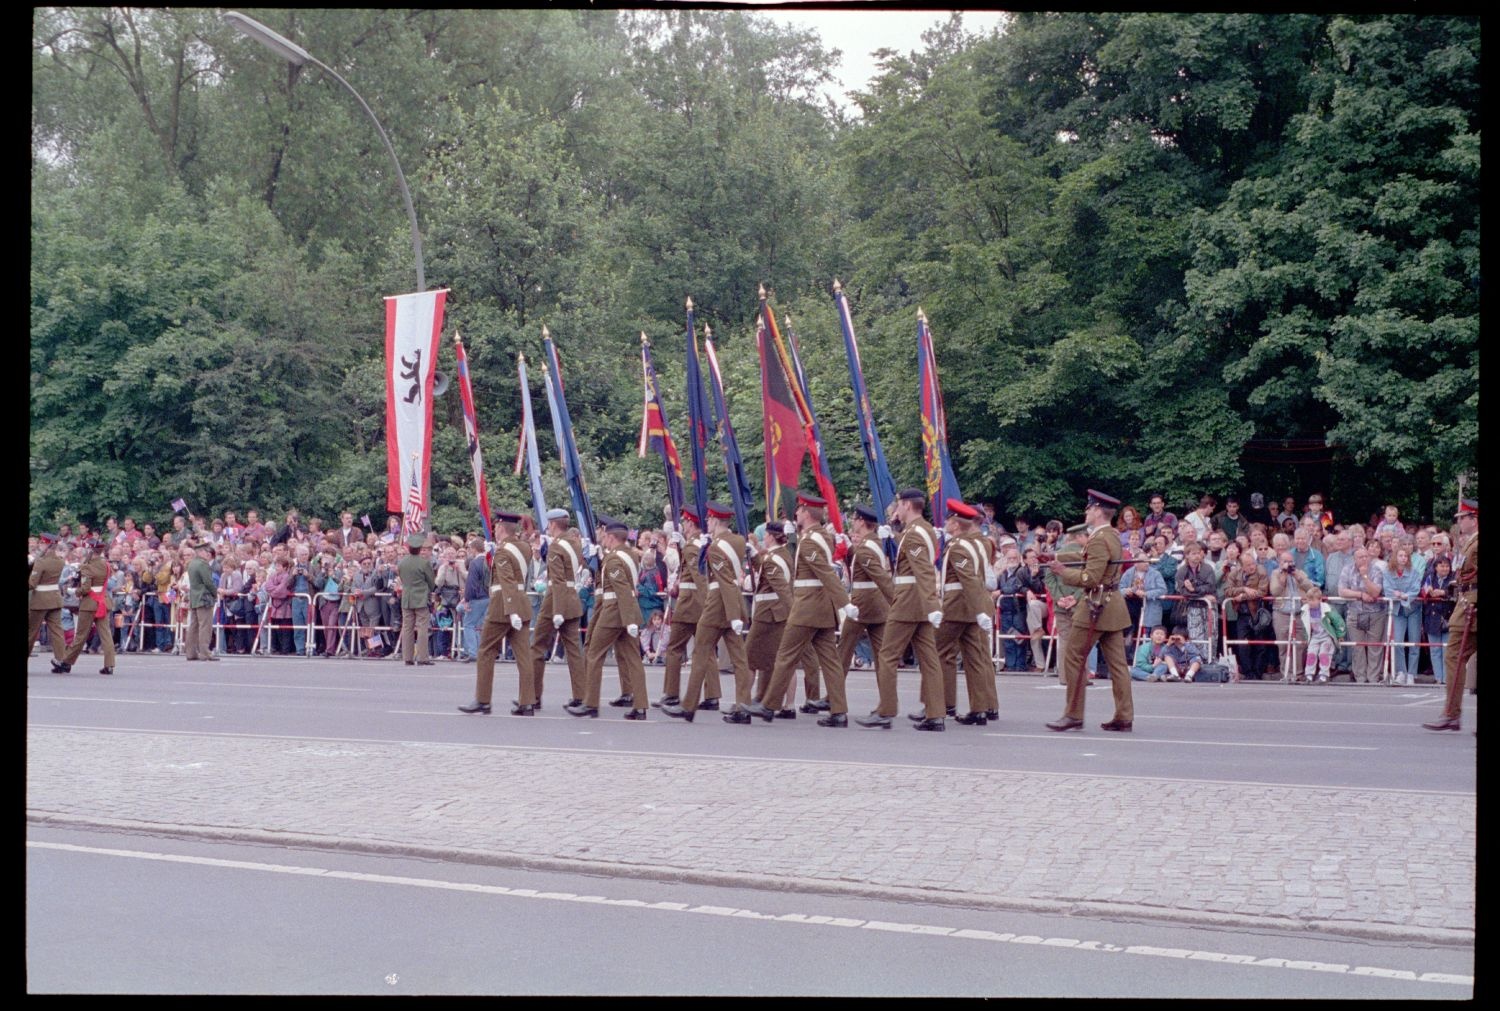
<point x="1151" y="246"/>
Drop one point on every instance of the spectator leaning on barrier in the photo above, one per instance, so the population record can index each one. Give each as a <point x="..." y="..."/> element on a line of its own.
<point x="1360" y="587"/>
<point x="1248" y="616"/>
<point x="1307" y="557"/>
<point x="1402" y="586"/>
<point x="1142" y="587"/>
<point x="1437" y="609"/>
<point x="1197" y="582"/>
<point x="1036" y="610"/>
<point x="1288" y="583"/>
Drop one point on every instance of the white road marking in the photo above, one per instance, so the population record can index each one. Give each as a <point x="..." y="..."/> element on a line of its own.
<point x="624" y="753"/>
<point x="90" y="698"/>
<point x="803" y="919"/>
<point x="300" y="688"/>
<point x="1277" y="720"/>
<point x="1122" y="738"/>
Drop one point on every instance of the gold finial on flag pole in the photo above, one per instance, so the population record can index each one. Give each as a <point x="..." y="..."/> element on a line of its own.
<point x="837" y="288"/>
<point x="546" y="334"/>
<point x="762" y="292"/>
<point x="690" y="303"/>
<point x="921" y="316"/>
<point x="644" y="341"/>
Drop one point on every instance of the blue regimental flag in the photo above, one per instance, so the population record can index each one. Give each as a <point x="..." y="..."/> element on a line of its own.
<point x="698" y="423"/>
<point x="941" y="484"/>
<point x="526" y="450"/>
<point x="656" y="435"/>
<point x="739" y="481"/>
<point x="814" y="435"/>
<point x="562" y="428"/>
<point x="882" y="487"/>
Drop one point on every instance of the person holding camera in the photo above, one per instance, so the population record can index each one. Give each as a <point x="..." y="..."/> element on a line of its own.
<point x="1197" y="584"/>
<point x="1360" y="586"/>
<point x="1288" y="583"/>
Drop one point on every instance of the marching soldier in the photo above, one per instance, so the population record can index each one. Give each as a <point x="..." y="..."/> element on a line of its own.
<point x="46" y="602"/>
<point x="968" y="616"/>
<point x="915" y="614"/>
<point x="418" y="582"/>
<point x="1464" y="620"/>
<point x="95" y="610"/>
<point x="1064" y="598"/>
<point x="870" y="590"/>
<point x="199" y="637"/>
<point x="770" y="605"/>
<point x="723" y="618"/>
<point x="615" y="623"/>
<point x="561" y="609"/>
<point x="687" y="608"/>
<point x="818" y="602"/>
<point x="506" y="621"/>
<point x="1101" y="617"/>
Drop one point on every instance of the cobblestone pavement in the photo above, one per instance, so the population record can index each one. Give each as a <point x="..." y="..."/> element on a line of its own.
<point x="1386" y="863"/>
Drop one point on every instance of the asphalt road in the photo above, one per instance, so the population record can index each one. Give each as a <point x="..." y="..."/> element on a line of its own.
<point x="115" y="913"/>
<point x="1329" y="735"/>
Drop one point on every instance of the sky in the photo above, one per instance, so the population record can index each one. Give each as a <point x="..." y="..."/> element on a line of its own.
<point x="859" y="32"/>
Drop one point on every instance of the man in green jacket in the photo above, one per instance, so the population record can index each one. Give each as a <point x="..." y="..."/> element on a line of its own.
<point x="417" y="585"/>
<point x="198" y="642"/>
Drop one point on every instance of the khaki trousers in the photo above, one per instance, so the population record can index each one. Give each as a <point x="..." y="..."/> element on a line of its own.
<point x="53" y="618"/>
<point x="706" y="663"/>
<point x="1112" y="655"/>
<point x="81" y="638"/>
<point x="796" y="642"/>
<point x="676" y="653"/>
<point x="492" y="639"/>
<point x="627" y="658"/>
<point x="543" y="637"/>
<point x="849" y="635"/>
<point x="415" y="621"/>
<point x="919" y="635"/>
<point x="1463" y="642"/>
<point x="979" y="666"/>
<point x="198" y="640"/>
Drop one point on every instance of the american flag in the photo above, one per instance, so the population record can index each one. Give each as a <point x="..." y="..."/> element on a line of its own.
<point x="412" y="522"/>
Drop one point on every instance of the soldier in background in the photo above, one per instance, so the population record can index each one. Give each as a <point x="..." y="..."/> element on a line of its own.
<point x="615" y="624"/>
<point x="561" y="609"/>
<point x="968" y="615"/>
<point x="687" y="608"/>
<point x="46" y="602"/>
<point x="723" y="618"/>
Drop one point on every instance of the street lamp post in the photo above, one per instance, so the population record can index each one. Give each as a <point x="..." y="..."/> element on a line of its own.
<point x="297" y="56"/>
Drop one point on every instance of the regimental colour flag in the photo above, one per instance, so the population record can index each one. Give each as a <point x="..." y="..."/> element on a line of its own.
<point x="882" y="486"/>
<point x="562" y="428"/>
<point x="412" y="325"/>
<point x="697" y="408"/>
<point x="471" y="431"/>
<point x="739" y="481"/>
<point x="526" y="448"/>
<point x="654" y="431"/>
<point x="785" y="442"/>
<point x="941" y="484"/>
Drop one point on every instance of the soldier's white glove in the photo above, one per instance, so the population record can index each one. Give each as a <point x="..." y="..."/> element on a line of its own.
<point x="669" y="527"/>
<point x="789" y="528"/>
<point x="590" y="549"/>
<point x="489" y="547"/>
<point x="936" y="617"/>
<point x="676" y="537"/>
<point x="984" y="621"/>
<point x="737" y="625"/>
<point x="515" y="621"/>
<point x="634" y="631"/>
<point x="841" y="539"/>
<point x="851" y="612"/>
<point x="884" y="532"/>
<point x="557" y="621"/>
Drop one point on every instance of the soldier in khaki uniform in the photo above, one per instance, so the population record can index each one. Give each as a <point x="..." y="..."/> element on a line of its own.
<point x="968" y="615"/>
<point x="95" y="609"/>
<point x="769" y="606"/>
<point x="561" y="609"/>
<point x="506" y="621"/>
<point x="687" y="608"/>
<point x="418" y="582"/>
<point x="1101" y="617"/>
<point x="197" y="641"/>
<point x="818" y="602"/>
<point x="870" y="590"/>
<point x="46" y="602"/>
<point x="1463" y="639"/>
<point x="723" y="618"/>
<point x="615" y="623"/>
<point x="915" y="615"/>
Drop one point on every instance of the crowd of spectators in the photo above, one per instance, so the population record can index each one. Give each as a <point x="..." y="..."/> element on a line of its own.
<point x="1217" y="583"/>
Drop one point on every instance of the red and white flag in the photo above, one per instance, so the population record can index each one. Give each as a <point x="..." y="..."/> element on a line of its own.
<point x="412" y="325"/>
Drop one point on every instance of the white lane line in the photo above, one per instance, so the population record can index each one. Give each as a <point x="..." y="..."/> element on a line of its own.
<point x="1122" y="739"/>
<point x="90" y="698"/>
<point x="802" y="919"/>
<point x="1277" y="720"/>
<point x="628" y="753"/>
<point x="278" y="687"/>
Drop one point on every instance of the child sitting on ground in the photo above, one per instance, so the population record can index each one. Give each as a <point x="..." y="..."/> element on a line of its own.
<point x="1182" y="656"/>
<point x="1149" y="664"/>
<point x="1324" y="628"/>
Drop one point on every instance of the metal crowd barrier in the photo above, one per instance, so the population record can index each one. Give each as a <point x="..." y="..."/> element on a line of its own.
<point x="1287" y="652"/>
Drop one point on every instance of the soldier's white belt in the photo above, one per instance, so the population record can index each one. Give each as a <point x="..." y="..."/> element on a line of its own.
<point x="904" y="580"/>
<point x="805" y="583"/>
<point x="953" y="586"/>
<point x="713" y="586"/>
<point x="500" y="586"/>
<point x="46" y="587"/>
<point x="857" y="585"/>
<point x="609" y="595"/>
<point x="762" y="597"/>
